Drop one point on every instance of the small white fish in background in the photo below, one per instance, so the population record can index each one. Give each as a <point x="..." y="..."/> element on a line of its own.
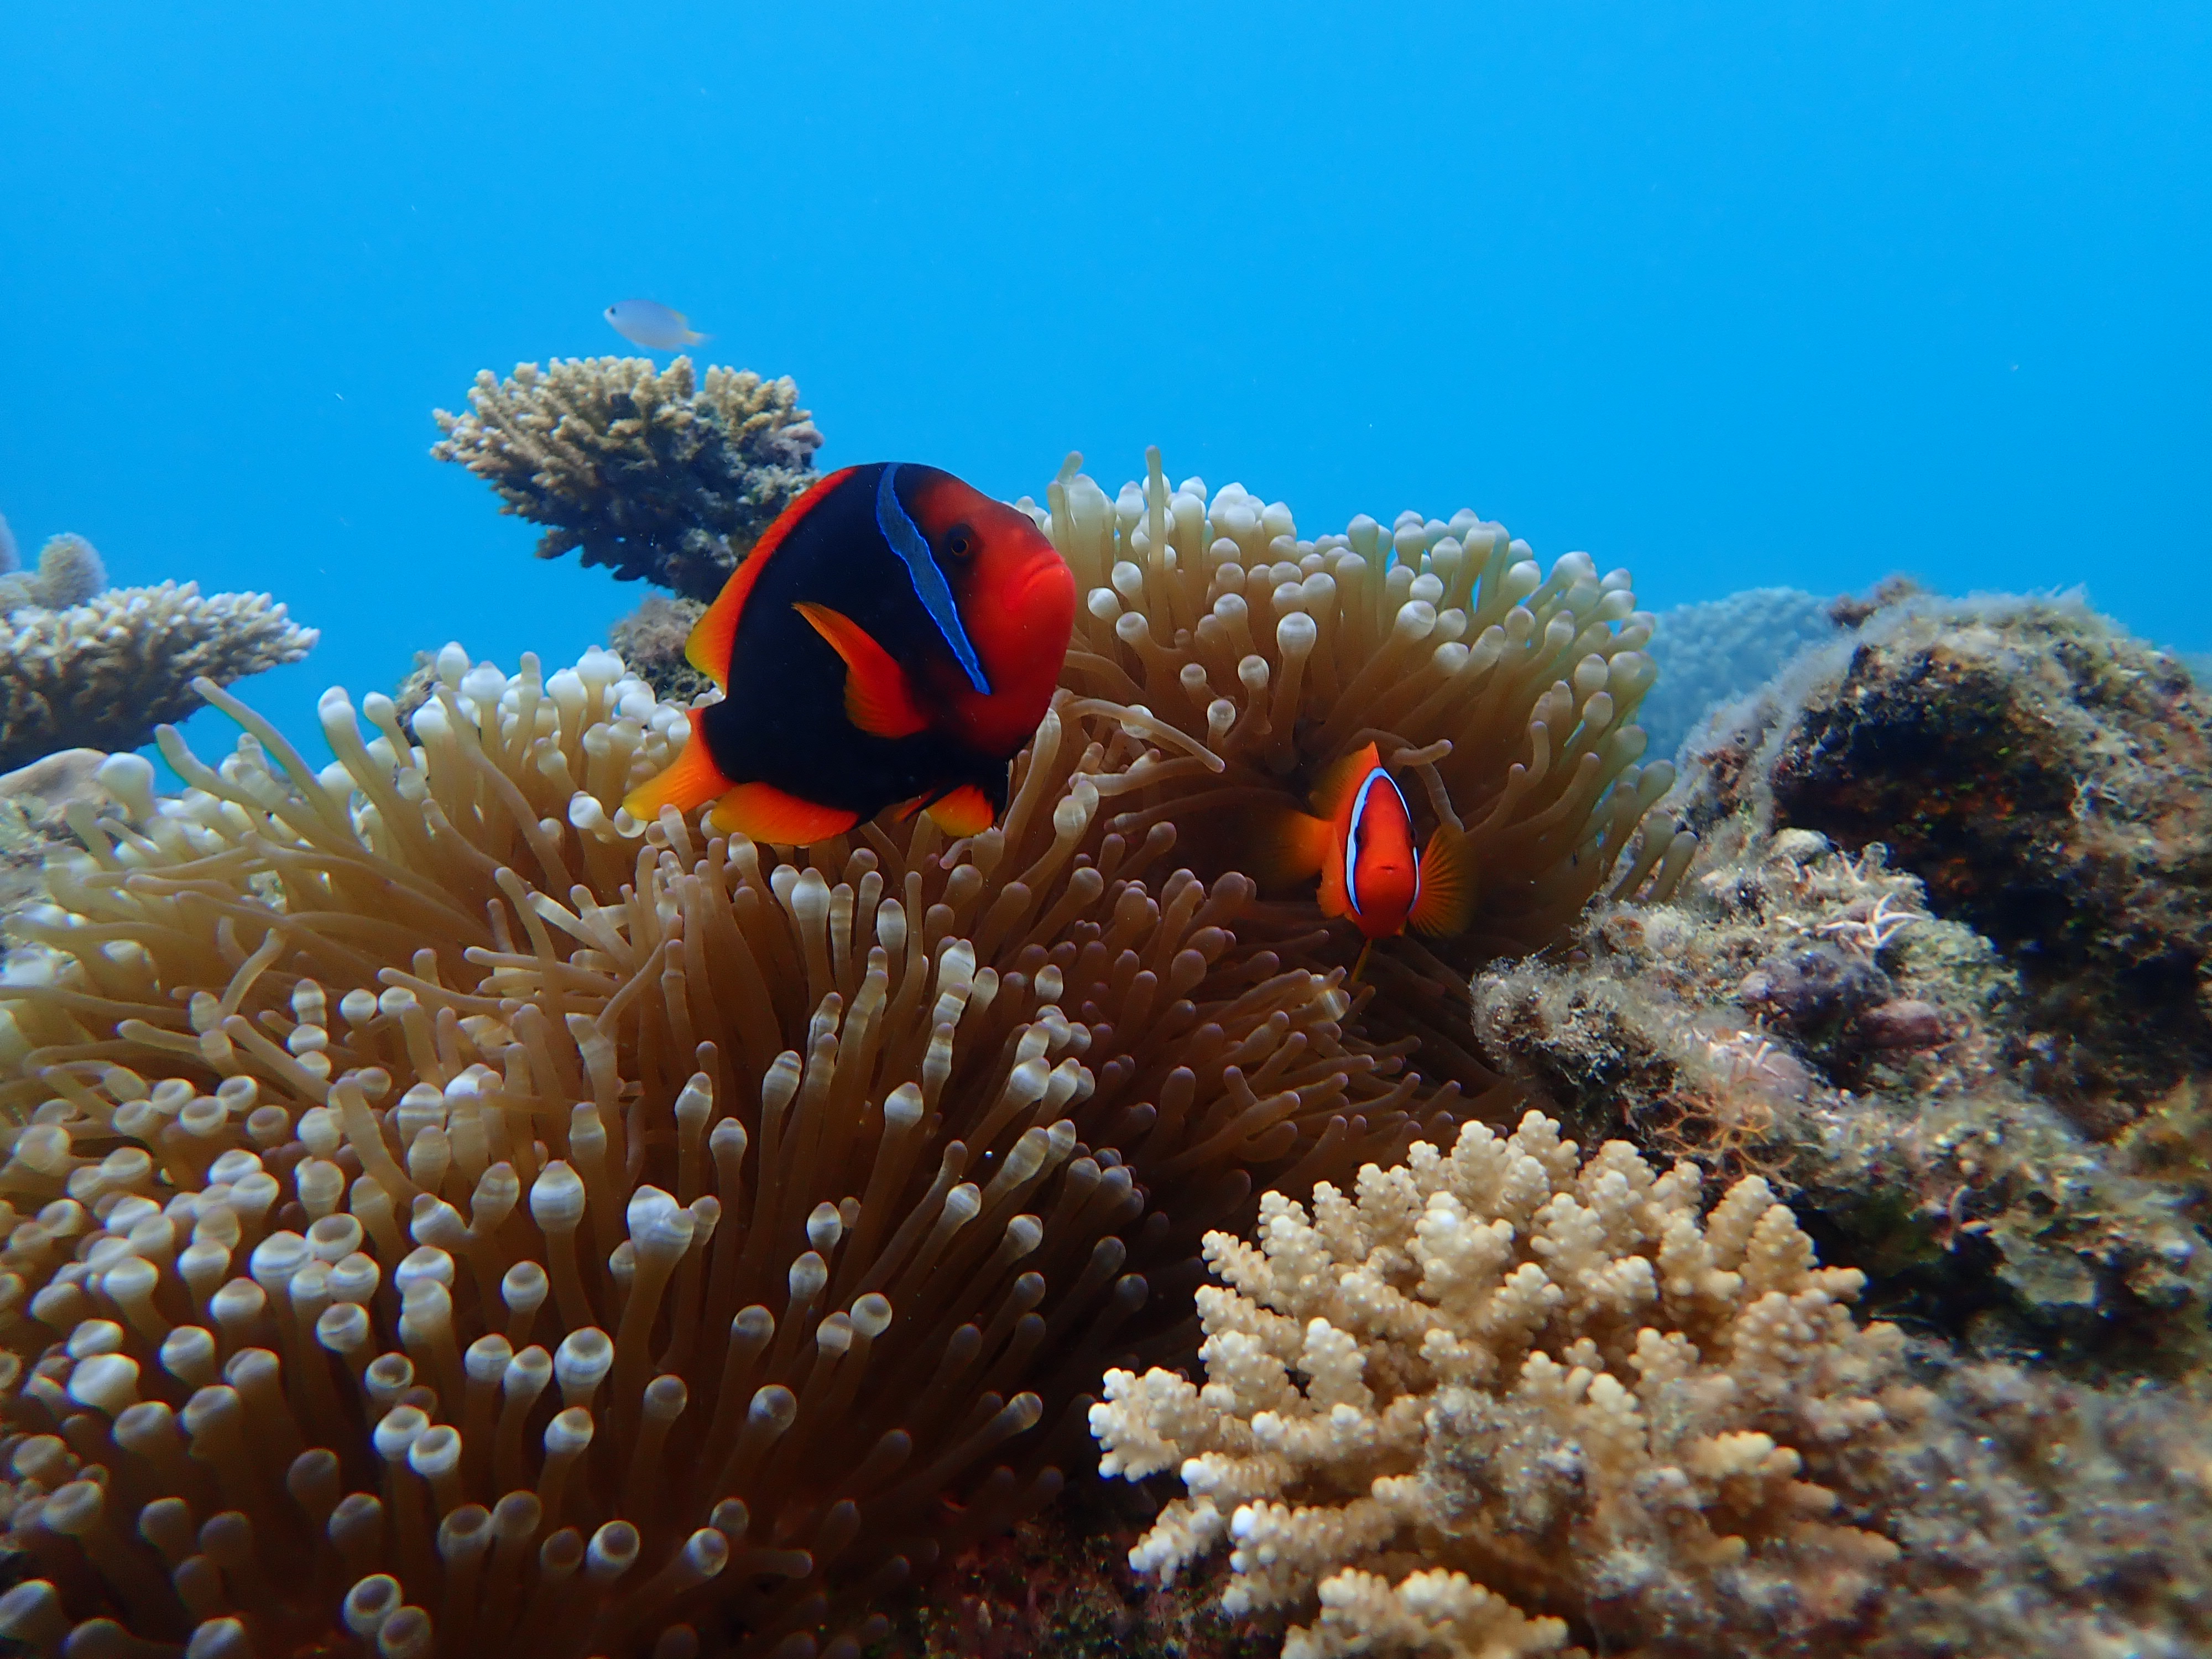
<point x="643" y="322"/>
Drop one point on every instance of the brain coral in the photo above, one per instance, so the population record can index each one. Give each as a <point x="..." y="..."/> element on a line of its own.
<point x="447" y="1215"/>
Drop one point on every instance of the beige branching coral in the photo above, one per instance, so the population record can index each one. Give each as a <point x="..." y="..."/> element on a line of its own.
<point x="1510" y="694"/>
<point x="650" y="472"/>
<point x="446" y="1218"/>
<point x="1504" y="1396"/>
<point x="104" y="674"/>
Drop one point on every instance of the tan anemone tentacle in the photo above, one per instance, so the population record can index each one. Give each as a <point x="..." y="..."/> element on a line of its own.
<point x="612" y="1231"/>
<point x="1510" y="691"/>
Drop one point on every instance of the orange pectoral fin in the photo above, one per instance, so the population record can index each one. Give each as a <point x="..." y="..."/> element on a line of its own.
<point x="1334" y="898"/>
<point x="1447" y="902"/>
<point x="692" y="782"/>
<point x="877" y="699"/>
<point x="1334" y="789"/>
<point x="966" y="812"/>
<point x="715" y="635"/>
<point x="1293" y="847"/>
<point x="768" y="813"/>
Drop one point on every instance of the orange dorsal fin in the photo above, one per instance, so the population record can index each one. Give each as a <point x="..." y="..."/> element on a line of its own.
<point x="1339" y="783"/>
<point x="689" y="784"/>
<point x="966" y="810"/>
<point x="877" y="699"/>
<point x="1446" y="903"/>
<point x="714" y="635"/>
<point x="1291" y="847"/>
<point x="768" y="813"/>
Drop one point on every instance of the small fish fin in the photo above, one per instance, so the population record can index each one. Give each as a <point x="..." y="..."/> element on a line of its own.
<point x="1291" y="847"/>
<point x="769" y="814"/>
<point x="689" y="784"/>
<point x="966" y="810"/>
<point x="1335" y="898"/>
<point x="1446" y="905"/>
<point x="715" y="634"/>
<point x="877" y="698"/>
<point x="1341" y="778"/>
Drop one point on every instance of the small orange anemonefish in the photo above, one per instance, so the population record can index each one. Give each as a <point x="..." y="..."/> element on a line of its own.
<point x="1362" y="848"/>
<point x="892" y="641"/>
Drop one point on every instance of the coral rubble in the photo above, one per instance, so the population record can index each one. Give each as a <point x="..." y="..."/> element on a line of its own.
<point x="365" y="1107"/>
<point x="2046" y="1518"/>
<point x="103" y="672"/>
<point x="655" y="474"/>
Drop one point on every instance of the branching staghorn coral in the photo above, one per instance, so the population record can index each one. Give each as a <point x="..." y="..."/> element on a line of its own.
<point x="1504" y="1395"/>
<point x="648" y="472"/>
<point x="373" y="1104"/>
<point x="1509" y="692"/>
<point x="104" y="674"/>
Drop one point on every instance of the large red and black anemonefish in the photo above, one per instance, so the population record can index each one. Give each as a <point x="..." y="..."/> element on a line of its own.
<point x="1362" y="848"/>
<point x="893" y="640"/>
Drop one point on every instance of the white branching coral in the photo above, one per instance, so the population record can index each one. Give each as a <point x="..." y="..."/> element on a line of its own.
<point x="103" y="673"/>
<point x="655" y="473"/>
<point x="1504" y="1397"/>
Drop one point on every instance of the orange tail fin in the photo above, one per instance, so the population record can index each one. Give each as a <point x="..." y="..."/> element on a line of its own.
<point x="1447" y="902"/>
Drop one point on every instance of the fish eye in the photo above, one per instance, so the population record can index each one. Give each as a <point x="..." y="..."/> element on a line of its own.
<point x="960" y="542"/>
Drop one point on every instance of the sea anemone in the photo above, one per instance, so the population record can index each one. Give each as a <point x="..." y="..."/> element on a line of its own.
<point x="1510" y="692"/>
<point x="450" y="1212"/>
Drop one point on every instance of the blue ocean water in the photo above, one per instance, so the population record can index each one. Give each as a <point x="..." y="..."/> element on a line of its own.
<point x="1734" y="295"/>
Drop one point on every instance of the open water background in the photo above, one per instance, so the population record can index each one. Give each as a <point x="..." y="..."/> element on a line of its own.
<point x="1734" y="295"/>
